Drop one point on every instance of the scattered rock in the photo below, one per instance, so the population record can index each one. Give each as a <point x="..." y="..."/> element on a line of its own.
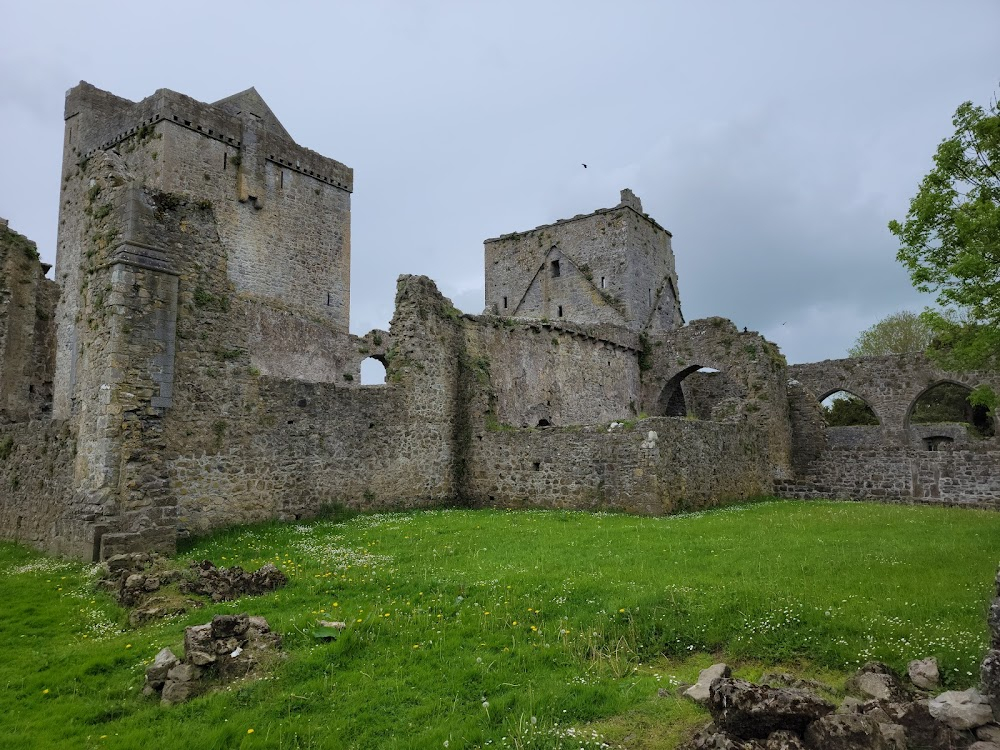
<point x="984" y="746"/>
<point x="924" y="673"/>
<point x="224" y="584"/>
<point x="156" y="674"/>
<point x="228" y="647"/>
<point x="754" y="711"/>
<point x="965" y="709"/>
<point x="922" y="729"/>
<point x="878" y="681"/>
<point x="988" y="733"/>
<point x="845" y="732"/>
<point x="699" y="691"/>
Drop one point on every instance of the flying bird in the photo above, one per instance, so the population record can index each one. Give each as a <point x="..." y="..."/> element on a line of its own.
<point x="584" y="166"/>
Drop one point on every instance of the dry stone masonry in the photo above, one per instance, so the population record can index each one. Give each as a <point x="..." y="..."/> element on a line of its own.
<point x="190" y="367"/>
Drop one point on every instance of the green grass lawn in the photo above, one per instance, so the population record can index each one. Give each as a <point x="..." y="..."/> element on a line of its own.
<point x="506" y="629"/>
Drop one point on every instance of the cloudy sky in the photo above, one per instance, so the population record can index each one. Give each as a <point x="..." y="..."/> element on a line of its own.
<point x="774" y="139"/>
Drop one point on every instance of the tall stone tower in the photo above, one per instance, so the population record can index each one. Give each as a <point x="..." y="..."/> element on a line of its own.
<point x="614" y="265"/>
<point x="191" y="236"/>
<point x="283" y="211"/>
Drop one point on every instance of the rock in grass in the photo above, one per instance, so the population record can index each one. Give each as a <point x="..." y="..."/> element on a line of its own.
<point x="961" y="709"/>
<point x="878" y="681"/>
<point x="853" y="732"/>
<point x="754" y="711"/>
<point x="156" y="675"/>
<point x="924" y="673"/>
<point x="699" y="691"/>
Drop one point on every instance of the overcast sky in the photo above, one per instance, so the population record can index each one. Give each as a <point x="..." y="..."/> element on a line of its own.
<point x="774" y="139"/>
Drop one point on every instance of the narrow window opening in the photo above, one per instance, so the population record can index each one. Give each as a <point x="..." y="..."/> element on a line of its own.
<point x="281" y="178"/>
<point x="329" y="300"/>
<point x="650" y="296"/>
<point x="560" y="311"/>
<point x="602" y="282"/>
<point x="555" y="269"/>
<point x="504" y="303"/>
<point x="372" y="371"/>
<point x="225" y="161"/>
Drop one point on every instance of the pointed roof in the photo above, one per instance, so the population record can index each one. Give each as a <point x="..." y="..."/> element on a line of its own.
<point x="251" y="103"/>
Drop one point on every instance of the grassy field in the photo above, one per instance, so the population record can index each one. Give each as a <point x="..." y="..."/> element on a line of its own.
<point x="506" y="629"/>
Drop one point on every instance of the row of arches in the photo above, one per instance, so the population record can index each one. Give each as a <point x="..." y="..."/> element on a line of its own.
<point x="942" y="402"/>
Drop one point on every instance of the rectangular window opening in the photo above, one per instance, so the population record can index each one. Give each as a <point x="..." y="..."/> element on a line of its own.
<point x="329" y="300"/>
<point x="560" y="311"/>
<point x="555" y="269"/>
<point x="225" y="160"/>
<point x="650" y="296"/>
<point x="602" y="282"/>
<point x="504" y="303"/>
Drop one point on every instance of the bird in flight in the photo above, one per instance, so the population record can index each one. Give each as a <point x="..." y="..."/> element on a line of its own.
<point x="584" y="166"/>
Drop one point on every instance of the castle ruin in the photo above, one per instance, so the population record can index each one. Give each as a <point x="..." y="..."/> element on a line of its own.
<point x="191" y="366"/>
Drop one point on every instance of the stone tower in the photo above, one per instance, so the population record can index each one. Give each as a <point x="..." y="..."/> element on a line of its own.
<point x="614" y="265"/>
<point x="283" y="211"/>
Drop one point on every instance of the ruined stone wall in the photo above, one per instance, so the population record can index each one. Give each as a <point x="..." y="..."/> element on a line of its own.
<point x="557" y="374"/>
<point x="36" y="479"/>
<point x="751" y="382"/>
<point x="657" y="466"/>
<point x="295" y="446"/>
<point x="27" y="328"/>
<point x="612" y="266"/>
<point x="890" y="385"/>
<point x="961" y="477"/>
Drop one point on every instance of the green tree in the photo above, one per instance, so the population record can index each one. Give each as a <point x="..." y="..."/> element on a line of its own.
<point x="898" y="333"/>
<point x="950" y="240"/>
<point x="847" y="410"/>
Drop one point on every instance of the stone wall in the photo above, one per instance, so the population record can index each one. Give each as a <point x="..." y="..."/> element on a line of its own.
<point x="27" y="328"/>
<point x="555" y="374"/>
<point x="890" y="385"/>
<point x="36" y="480"/>
<point x="614" y="266"/>
<point x="958" y="477"/>
<point x="656" y="466"/>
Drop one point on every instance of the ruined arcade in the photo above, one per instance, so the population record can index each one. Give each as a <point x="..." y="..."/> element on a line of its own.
<point x="191" y="365"/>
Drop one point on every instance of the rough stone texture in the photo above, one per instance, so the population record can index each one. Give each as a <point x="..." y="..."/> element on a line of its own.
<point x="197" y="370"/>
<point x="961" y="709"/>
<point x="699" y="692"/>
<point x="614" y="266"/>
<point x="845" y="732"/>
<point x="227" y="648"/>
<point x="754" y="711"/>
<point x="223" y="584"/>
<point x="876" y="680"/>
<point x="27" y="329"/>
<point x="924" y="673"/>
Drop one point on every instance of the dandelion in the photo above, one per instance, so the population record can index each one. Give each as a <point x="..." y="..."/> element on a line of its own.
<point x="45" y="692"/>
<point x="250" y="731"/>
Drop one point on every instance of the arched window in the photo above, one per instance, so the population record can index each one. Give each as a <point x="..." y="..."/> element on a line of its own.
<point x="948" y="402"/>
<point x="372" y="372"/>
<point x="695" y="393"/>
<point x="845" y="409"/>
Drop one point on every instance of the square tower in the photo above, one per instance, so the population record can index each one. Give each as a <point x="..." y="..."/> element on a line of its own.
<point x="614" y="265"/>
